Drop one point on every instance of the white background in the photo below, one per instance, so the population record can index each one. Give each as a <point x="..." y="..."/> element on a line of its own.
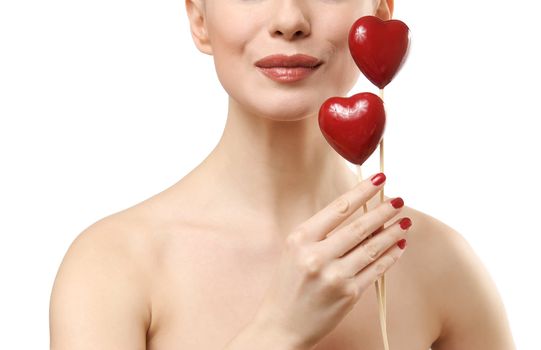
<point x="100" y="109"/>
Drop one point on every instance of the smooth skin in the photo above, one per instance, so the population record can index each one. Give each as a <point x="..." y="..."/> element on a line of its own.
<point x="105" y="295"/>
<point x="211" y="261"/>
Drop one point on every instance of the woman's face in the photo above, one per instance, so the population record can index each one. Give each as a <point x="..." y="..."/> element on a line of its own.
<point x="237" y="33"/>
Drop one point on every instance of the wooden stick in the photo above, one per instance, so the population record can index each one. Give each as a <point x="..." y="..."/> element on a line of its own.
<point x="380" y="291"/>
<point x="381" y="199"/>
<point x="383" y="302"/>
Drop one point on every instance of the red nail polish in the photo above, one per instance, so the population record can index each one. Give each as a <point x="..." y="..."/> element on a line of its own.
<point x="378" y="179"/>
<point x="405" y="223"/>
<point x="397" y="202"/>
<point x="401" y="244"/>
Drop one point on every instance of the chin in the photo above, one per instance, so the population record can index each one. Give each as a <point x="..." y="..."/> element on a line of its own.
<point x="281" y="103"/>
<point x="287" y="110"/>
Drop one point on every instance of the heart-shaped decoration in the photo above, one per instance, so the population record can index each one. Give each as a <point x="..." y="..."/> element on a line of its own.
<point x="354" y="125"/>
<point x="379" y="48"/>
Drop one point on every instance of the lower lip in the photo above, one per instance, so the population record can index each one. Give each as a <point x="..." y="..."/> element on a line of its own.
<point x="288" y="74"/>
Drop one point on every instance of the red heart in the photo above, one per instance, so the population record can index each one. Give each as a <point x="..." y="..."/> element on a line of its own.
<point x="379" y="48"/>
<point x="354" y="125"/>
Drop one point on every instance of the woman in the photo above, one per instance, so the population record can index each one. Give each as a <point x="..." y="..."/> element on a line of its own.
<point x="262" y="245"/>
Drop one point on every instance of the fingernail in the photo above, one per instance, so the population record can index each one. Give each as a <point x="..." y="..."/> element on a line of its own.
<point x="401" y="244"/>
<point x="405" y="223"/>
<point x="378" y="179"/>
<point x="397" y="202"/>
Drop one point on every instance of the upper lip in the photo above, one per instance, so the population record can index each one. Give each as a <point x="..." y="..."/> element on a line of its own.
<point x="279" y="60"/>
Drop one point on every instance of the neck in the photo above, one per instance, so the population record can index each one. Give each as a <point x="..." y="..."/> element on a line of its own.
<point x="279" y="171"/>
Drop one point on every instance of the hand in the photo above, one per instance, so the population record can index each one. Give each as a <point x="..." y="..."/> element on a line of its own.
<point x="322" y="274"/>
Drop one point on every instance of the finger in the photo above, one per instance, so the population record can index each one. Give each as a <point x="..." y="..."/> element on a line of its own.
<point x="374" y="271"/>
<point x="370" y="250"/>
<point x="347" y="237"/>
<point x="318" y="226"/>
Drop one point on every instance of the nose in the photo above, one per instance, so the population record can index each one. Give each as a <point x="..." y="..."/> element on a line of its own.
<point x="290" y="19"/>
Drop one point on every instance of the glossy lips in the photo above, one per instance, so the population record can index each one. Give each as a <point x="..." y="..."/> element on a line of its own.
<point x="284" y="68"/>
<point x="379" y="48"/>
<point x="287" y="74"/>
<point x="353" y="126"/>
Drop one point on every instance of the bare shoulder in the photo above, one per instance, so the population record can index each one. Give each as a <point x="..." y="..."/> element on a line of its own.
<point x="459" y="287"/>
<point x="100" y="297"/>
<point x="434" y="250"/>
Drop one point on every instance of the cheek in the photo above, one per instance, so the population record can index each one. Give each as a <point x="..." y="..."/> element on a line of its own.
<point x="224" y="34"/>
<point x="336" y="23"/>
<point x="343" y="72"/>
<point x="228" y="38"/>
<point x="228" y="29"/>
